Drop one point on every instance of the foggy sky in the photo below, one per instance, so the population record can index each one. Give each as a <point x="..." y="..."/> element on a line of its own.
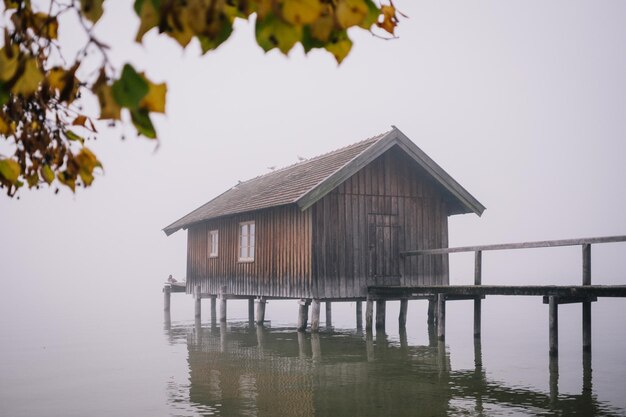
<point x="522" y="102"/>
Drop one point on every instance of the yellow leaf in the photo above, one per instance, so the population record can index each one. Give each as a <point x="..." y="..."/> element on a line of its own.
<point x="350" y="12"/>
<point x="9" y="60"/>
<point x="67" y="180"/>
<point x="301" y="12"/>
<point x="148" y="18"/>
<point x="179" y="28"/>
<point x="5" y="125"/>
<point x="45" y="25"/>
<point x="92" y="9"/>
<point x="47" y="174"/>
<point x="10" y="170"/>
<point x="87" y="162"/>
<point x="56" y="78"/>
<point x="29" y="80"/>
<point x="322" y="27"/>
<point x="339" y="47"/>
<point x="109" y="109"/>
<point x="32" y="179"/>
<point x="154" y="101"/>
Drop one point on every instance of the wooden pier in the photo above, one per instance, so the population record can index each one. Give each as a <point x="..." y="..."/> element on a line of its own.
<point x="438" y="295"/>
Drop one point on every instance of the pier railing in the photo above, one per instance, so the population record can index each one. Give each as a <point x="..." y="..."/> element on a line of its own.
<point x="553" y="294"/>
<point x="585" y="243"/>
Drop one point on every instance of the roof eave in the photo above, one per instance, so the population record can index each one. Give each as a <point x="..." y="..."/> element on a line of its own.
<point x="393" y="137"/>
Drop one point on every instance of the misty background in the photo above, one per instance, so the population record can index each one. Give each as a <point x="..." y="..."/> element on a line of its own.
<point x="522" y="102"/>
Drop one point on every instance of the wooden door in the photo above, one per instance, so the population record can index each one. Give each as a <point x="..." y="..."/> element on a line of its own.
<point x="384" y="254"/>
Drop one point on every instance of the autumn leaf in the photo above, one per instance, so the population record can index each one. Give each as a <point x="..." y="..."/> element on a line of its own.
<point x="109" y="109"/>
<point x="32" y="180"/>
<point x="47" y="174"/>
<point x="10" y="170"/>
<point x="92" y="9"/>
<point x="301" y="12"/>
<point x="148" y="17"/>
<point x="9" y="61"/>
<point x="87" y="162"/>
<point x="47" y="26"/>
<point x="66" y="179"/>
<point x="29" y="79"/>
<point x="272" y="32"/>
<point x="390" y="20"/>
<point x="339" y="46"/>
<point x="372" y="15"/>
<point x="154" y="101"/>
<point x="130" y="88"/>
<point x="73" y="136"/>
<point x="143" y="124"/>
<point x="351" y="12"/>
<point x="5" y="126"/>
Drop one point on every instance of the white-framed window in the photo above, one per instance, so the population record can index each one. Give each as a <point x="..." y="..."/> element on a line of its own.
<point x="246" y="241"/>
<point x="213" y="243"/>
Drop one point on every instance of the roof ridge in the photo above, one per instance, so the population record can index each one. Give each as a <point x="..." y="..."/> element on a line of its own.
<point x="314" y="158"/>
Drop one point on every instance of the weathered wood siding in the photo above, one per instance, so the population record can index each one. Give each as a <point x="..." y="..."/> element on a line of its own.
<point x="390" y="205"/>
<point x="282" y="264"/>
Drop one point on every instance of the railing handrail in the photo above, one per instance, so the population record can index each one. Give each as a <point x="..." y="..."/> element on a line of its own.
<point x="523" y="245"/>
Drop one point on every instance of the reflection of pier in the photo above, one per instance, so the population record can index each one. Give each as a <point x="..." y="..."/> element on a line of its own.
<point x="252" y="370"/>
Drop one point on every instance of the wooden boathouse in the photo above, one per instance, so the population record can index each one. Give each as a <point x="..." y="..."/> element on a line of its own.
<point x="326" y="228"/>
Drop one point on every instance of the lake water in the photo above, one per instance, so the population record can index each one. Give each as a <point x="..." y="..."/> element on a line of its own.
<point x="129" y="359"/>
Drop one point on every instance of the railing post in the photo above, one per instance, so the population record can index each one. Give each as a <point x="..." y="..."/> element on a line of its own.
<point x="369" y="313"/>
<point x="587" y="304"/>
<point x="478" y="260"/>
<point x="167" y="291"/>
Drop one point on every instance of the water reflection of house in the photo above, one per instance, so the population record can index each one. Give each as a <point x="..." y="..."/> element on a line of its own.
<point x="266" y="372"/>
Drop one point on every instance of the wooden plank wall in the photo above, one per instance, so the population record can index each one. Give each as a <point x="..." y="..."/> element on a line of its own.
<point x="282" y="265"/>
<point x="390" y="185"/>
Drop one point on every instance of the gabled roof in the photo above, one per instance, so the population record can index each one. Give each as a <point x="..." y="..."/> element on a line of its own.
<point x="307" y="182"/>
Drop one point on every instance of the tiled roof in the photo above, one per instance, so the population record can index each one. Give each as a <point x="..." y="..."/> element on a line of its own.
<point x="306" y="182"/>
<point x="277" y="188"/>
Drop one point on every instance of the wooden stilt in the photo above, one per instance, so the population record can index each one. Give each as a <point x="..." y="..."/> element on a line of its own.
<point x="441" y="316"/>
<point x="223" y="305"/>
<point x="260" y="311"/>
<point x="223" y="339"/>
<point x="586" y="304"/>
<point x="315" y="315"/>
<point x="380" y="314"/>
<point x="369" y="314"/>
<point x="329" y="314"/>
<point x="167" y="292"/>
<point x="432" y="310"/>
<point x="303" y="315"/>
<point x="554" y="325"/>
<point x="197" y="295"/>
<point x="432" y="334"/>
<point x="250" y="310"/>
<point x="213" y="310"/>
<point x="404" y="303"/>
<point x="359" y="315"/>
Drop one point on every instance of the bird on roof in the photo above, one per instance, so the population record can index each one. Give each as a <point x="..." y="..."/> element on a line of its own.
<point x="301" y="158"/>
<point x="272" y="167"/>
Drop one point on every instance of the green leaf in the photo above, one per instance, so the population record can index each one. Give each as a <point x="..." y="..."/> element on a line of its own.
<point x="272" y="32"/>
<point x="142" y="122"/>
<point x="92" y="9"/>
<point x="372" y="15"/>
<point x="5" y="95"/>
<point x="130" y="88"/>
<point x="73" y="136"/>
<point x="208" y="43"/>
<point x="10" y="170"/>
